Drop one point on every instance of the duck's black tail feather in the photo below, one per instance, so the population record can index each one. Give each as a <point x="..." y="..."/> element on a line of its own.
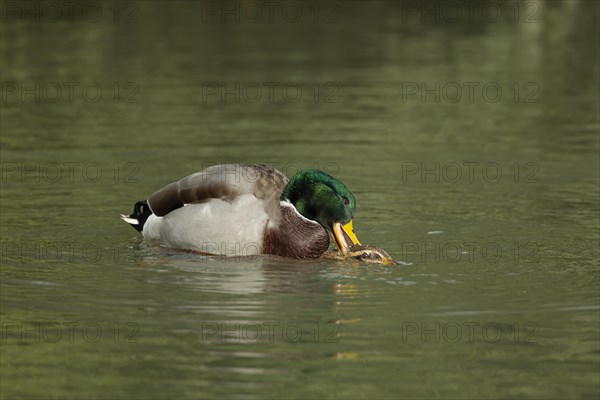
<point x="137" y="219"/>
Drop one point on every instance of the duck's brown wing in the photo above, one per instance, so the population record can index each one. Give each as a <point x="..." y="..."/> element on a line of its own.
<point x="225" y="182"/>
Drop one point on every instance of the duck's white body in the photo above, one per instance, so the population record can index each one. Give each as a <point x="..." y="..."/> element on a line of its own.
<point x="216" y="227"/>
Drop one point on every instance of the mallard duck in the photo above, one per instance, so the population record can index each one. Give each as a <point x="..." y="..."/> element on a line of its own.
<point x="371" y="254"/>
<point x="249" y="209"/>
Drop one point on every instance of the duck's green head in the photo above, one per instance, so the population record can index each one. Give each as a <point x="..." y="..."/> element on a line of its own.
<point x="322" y="198"/>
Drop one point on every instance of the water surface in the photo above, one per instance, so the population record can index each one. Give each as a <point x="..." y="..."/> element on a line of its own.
<point x="492" y="200"/>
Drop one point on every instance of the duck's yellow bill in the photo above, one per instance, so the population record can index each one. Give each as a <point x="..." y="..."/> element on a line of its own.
<point x="343" y="232"/>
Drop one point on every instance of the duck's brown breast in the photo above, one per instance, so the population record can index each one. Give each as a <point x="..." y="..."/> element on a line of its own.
<point x="295" y="236"/>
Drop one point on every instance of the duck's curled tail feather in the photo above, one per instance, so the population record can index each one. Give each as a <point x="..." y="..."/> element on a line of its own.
<point x="137" y="219"/>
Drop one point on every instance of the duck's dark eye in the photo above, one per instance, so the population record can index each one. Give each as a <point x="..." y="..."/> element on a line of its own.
<point x="365" y="255"/>
<point x="345" y="200"/>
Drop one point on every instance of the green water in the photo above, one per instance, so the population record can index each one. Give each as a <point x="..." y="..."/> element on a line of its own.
<point x="492" y="197"/>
